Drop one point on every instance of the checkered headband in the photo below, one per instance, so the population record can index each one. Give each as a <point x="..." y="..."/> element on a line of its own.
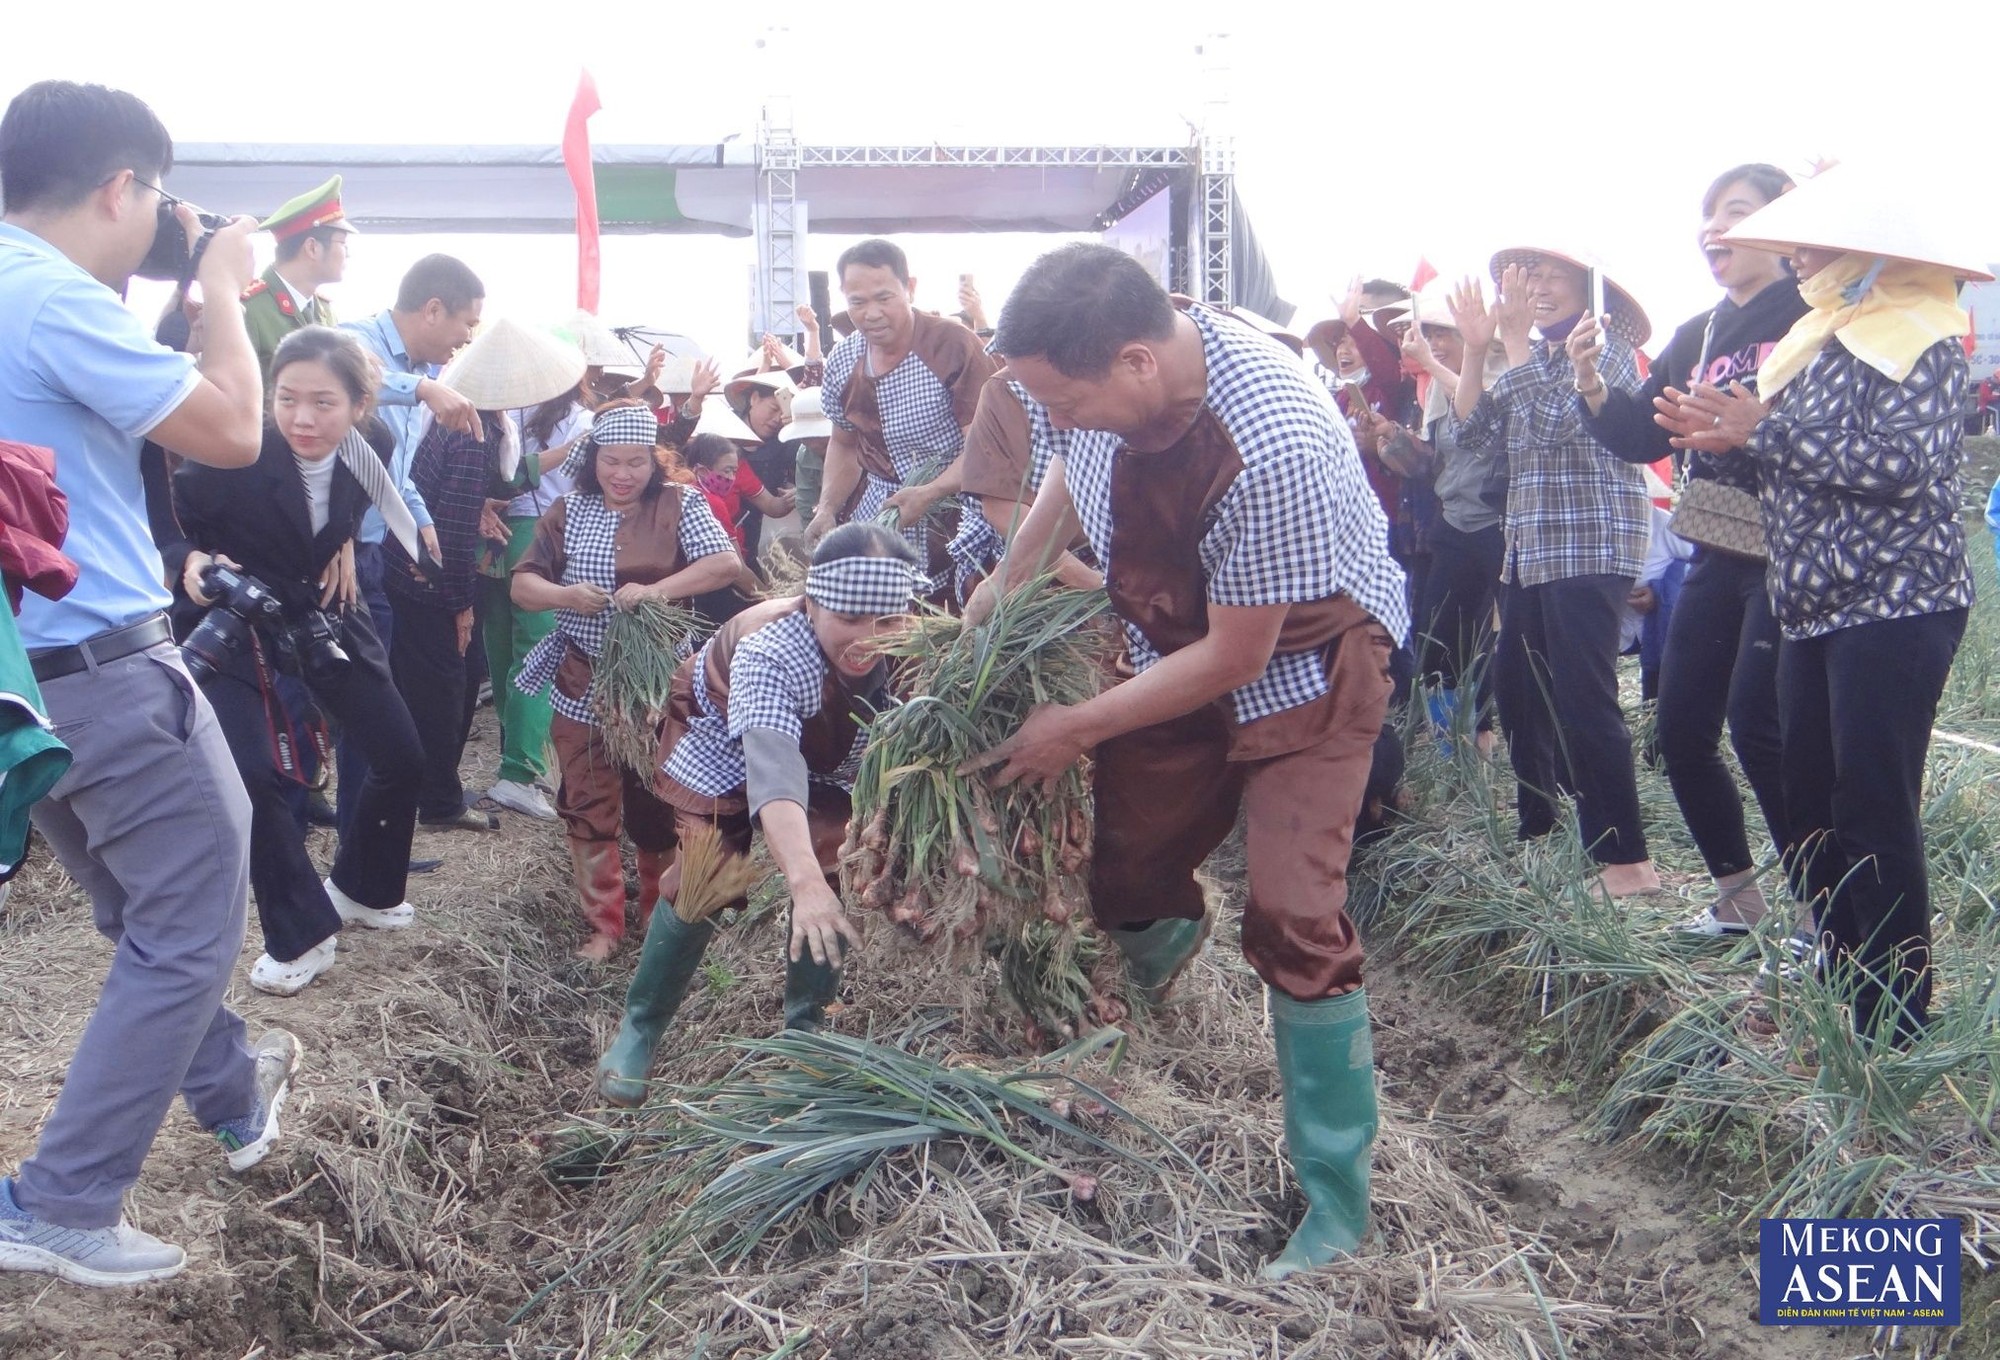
<point x="625" y="425"/>
<point x="864" y="585"/>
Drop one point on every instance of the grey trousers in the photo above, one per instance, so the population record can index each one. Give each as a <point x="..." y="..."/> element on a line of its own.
<point x="153" y="822"/>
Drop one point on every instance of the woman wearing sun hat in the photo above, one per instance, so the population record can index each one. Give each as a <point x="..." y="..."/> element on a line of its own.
<point x="623" y="534"/>
<point x="1856" y="429"/>
<point x="1721" y="656"/>
<point x="507" y="366"/>
<point x="1576" y="533"/>
<point x="549" y="432"/>
<point x="1453" y="621"/>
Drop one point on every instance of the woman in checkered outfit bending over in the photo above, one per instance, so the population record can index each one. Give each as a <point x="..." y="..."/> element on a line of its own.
<point x="767" y="725"/>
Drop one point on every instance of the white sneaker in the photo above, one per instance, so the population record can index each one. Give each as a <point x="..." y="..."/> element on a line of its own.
<point x="375" y="918"/>
<point x="100" y="1257"/>
<point x="289" y="979"/>
<point x="246" y="1140"/>
<point x="522" y="798"/>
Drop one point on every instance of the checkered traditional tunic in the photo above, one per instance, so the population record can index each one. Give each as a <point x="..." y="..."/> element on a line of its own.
<point x="777" y="680"/>
<point x="924" y="404"/>
<point x="590" y="552"/>
<point x="1298" y="524"/>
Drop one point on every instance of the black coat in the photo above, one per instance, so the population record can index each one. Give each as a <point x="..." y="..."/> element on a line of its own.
<point x="258" y="516"/>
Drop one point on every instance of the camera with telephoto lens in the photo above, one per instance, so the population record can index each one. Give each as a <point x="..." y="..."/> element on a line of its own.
<point x="172" y="259"/>
<point x="242" y="604"/>
<point x="312" y="647"/>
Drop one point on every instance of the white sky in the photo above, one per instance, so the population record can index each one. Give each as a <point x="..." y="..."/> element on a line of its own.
<point x="1364" y="137"/>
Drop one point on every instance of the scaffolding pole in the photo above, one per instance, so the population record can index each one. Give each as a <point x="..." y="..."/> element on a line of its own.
<point x="781" y="238"/>
<point x="1216" y="196"/>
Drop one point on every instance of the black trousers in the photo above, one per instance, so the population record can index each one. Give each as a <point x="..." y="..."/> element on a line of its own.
<point x="373" y="861"/>
<point x="1556" y="676"/>
<point x="430" y="674"/>
<point x="1722" y="661"/>
<point x="1455" y="611"/>
<point x="350" y="768"/>
<point x="1857" y="706"/>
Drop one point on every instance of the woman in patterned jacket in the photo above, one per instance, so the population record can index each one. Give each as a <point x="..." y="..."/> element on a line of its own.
<point x="767" y="726"/>
<point x="624" y="534"/>
<point x="1855" y="428"/>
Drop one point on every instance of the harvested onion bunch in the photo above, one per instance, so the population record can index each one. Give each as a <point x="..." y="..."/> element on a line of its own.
<point x="633" y="677"/>
<point x="948" y="857"/>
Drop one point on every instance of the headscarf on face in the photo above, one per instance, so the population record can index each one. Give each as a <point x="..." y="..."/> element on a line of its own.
<point x="1886" y="313"/>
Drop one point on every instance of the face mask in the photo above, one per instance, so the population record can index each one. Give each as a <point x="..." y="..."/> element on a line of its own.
<point x="711" y="480"/>
<point x="1358" y="378"/>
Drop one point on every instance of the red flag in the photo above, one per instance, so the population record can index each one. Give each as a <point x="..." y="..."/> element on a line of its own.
<point x="1426" y="271"/>
<point x="576" y="157"/>
<point x="1971" y="332"/>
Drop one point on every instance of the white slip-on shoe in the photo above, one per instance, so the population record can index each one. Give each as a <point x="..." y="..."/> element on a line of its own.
<point x="289" y="979"/>
<point x="1707" y="925"/>
<point x="375" y="918"/>
<point x="99" y="1257"/>
<point x="522" y="798"/>
<point x="246" y="1140"/>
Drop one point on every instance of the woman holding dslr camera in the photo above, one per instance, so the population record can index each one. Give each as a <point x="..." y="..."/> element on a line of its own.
<point x="287" y="522"/>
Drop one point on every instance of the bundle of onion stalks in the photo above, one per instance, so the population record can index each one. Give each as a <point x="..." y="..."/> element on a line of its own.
<point x="634" y="676"/>
<point x="964" y="866"/>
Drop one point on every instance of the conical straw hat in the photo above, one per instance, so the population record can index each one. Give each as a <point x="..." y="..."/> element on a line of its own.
<point x="599" y="343"/>
<point x="717" y="418"/>
<point x="1869" y="212"/>
<point x="1626" y="318"/>
<point x="508" y="366"/>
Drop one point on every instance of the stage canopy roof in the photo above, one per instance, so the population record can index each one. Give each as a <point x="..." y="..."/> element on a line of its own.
<point x="691" y="188"/>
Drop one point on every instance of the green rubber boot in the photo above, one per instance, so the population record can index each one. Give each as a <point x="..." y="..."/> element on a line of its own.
<point x="667" y="960"/>
<point x="809" y="987"/>
<point x="1155" y="956"/>
<point x="1326" y="1066"/>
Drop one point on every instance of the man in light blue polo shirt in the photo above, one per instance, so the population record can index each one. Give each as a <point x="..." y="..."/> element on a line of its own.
<point x="151" y="819"/>
<point x="436" y="309"/>
<point x="437" y="306"/>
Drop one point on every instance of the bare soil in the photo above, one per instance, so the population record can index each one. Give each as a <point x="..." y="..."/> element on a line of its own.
<point x="408" y="1210"/>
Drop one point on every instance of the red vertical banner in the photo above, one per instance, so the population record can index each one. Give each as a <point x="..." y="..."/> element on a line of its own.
<point x="576" y="158"/>
<point x="1971" y="332"/>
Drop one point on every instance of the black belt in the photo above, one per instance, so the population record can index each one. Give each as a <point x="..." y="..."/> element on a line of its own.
<point x="105" y="647"/>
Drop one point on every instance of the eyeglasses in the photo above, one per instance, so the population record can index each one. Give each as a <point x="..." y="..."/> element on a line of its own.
<point x="165" y="197"/>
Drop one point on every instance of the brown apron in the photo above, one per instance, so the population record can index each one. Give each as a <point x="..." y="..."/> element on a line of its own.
<point x="1162" y="504"/>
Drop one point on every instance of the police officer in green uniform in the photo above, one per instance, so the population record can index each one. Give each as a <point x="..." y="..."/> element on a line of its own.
<point x="312" y="233"/>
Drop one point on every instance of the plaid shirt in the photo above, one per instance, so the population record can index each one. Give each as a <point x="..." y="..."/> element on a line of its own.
<point x="1298" y="524"/>
<point x="454" y="473"/>
<point x="1573" y="509"/>
<point x="777" y="680"/>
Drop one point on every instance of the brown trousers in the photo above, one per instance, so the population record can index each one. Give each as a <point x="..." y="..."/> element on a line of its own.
<point x="1168" y="795"/>
<point x="599" y="797"/>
